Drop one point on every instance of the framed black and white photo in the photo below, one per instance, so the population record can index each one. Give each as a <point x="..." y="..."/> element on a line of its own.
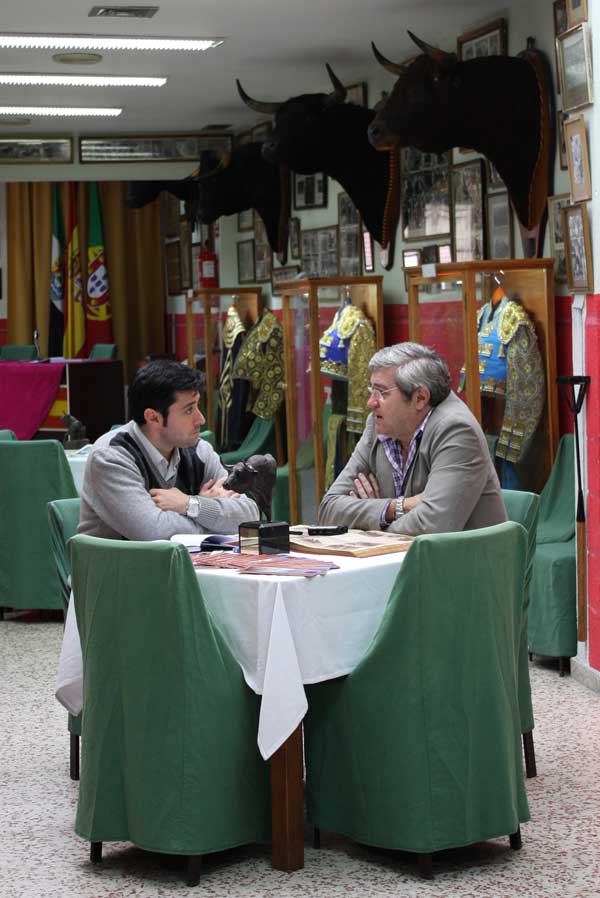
<point x="425" y="194"/>
<point x="152" y="148"/>
<point x="489" y="40"/>
<point x="557" y="240"/>
<point x="245" y="260"/>
<point x="320" y="252"/>
<point x="559" y="10"/>
<point x="578" y="250"/>
<point x="578" y="160"/>
<point x="284" y="273"/>
<point x="430" y="254"/>
<point x="263" y="255"/>
<point x="494" y="181"/>
<point x="35" y="150"/>
<point x="500" y="226"/>
<point x="445" y="253"/>
<point x="245" y="220"/>
<point x="349" y="237"/>
<point x="411" y="258"/>
<point x="577" y="12"/>
<point x="468" y="210"/>
<point x="295" y="238"/>
<point x="575" y="67"/>
<point x="310" y="191"/>
<point x="368" y="251"/>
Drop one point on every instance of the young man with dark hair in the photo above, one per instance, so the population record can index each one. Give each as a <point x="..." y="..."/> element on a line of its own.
<point x="154" y="476"/>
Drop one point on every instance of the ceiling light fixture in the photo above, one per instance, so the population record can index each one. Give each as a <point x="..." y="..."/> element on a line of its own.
<point x="60" y="110"/>
<point x="99" y="42"/>
<point x="77" y="58"/>
<point x="123" y="12"/>
<point x="80" y="80"/>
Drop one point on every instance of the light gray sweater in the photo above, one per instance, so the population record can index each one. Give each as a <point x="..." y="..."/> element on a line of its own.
<point x="116" y="504"/>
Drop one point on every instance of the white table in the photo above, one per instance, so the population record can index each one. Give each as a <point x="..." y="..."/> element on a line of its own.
<point x="77" y="462"/>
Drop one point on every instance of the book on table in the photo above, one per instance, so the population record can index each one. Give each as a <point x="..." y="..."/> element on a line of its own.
<point x="355" y="543"/>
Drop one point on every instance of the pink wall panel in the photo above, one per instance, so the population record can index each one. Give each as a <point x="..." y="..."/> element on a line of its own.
<point x="592" y="349"/>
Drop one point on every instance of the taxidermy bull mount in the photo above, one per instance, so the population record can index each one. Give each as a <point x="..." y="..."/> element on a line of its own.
<point x="256" y="478"/>
<point x="75" y="436"/>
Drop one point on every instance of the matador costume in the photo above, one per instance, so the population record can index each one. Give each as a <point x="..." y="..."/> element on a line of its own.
<point x="260" y="361"/>
<point x="232" y="423"/>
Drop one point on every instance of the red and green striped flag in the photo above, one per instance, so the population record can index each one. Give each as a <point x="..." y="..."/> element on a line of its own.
<point x="57" y="277"/>
<point x="98" y="310"/>
<point x="74" y="337"/>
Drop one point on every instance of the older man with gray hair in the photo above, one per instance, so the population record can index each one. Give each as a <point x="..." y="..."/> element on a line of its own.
<point x="422" y="464"/>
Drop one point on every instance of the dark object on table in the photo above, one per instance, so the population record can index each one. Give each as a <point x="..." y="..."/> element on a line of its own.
<point x="218" y="542"/>
<point x="328" y="530"/>
<point x="264" y="539"/>
<point x="75" y="436"/>
<point x="256" y="478"/>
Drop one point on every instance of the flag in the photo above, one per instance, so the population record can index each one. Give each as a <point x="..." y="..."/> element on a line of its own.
<point x="74" y="336"/>
<point x="57" y="277"/>
<point x="98" y="309"/>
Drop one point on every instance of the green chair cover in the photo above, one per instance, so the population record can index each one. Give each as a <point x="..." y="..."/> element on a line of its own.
<point x="259" y="440"/>
<point x="7" y="435"/>
<point x="12" y="352"/>
<point x="169" y="754"/>
<point x="32" y="473"/>
<point x="209" y="436"/>
<point x="103" y="351"/>
<point x="418" y="748"/>
<point x="552" y="620"/>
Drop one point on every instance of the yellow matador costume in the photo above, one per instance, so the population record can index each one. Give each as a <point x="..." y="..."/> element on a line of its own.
<point x="260" y="360"/>
<point x="232" y="396"/>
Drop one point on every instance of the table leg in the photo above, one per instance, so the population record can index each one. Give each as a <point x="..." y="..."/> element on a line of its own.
<point x="287" y="803"/>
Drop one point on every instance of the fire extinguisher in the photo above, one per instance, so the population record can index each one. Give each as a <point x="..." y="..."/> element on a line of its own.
<point x="208" y="267"/>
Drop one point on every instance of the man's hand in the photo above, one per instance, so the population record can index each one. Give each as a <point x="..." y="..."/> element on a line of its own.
<point x="213" y="489"/>
<point x="366" y="487"/>
<point x="170" y="500"/>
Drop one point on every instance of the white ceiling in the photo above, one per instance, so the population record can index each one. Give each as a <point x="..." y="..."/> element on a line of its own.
<point x="276" y="47"/>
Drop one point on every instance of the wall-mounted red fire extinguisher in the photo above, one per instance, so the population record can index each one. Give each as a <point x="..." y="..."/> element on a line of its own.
<point x="208" y="267"/>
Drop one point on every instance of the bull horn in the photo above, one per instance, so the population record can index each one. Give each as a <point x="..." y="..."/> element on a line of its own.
<point x="339" y="92"/>
<point x="257" y="105"/>
<point x="434" y="52"/>
<point x="250" y="468"/>
<point x="396" y="68"/>
<point x="224" y="159"/>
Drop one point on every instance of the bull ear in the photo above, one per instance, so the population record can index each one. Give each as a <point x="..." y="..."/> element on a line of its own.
<point x="434" y="53"/>
<point x="211" y="163"/>
<point x="338" y="94"/>
<point x="395" y="68"/>
<point x="257" y="105"/>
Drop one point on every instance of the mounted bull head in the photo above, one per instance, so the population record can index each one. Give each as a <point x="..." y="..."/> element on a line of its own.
<point x="256" y="477"/>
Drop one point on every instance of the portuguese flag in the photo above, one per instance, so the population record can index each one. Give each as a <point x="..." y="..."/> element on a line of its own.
<point x="74" y="336"/>
<point x="57" y="277"/>
<point x="98" y="311"/>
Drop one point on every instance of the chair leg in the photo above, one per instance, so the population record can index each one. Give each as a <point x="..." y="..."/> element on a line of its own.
<point x="515" y="840"/>
<point x="425" y="862"/>
<point x="529" y="752"/>
<point x="74" y="756"/>
<point x="95" y="852"/>
<point x="564" y="666"/>
<point x="316" y="837"/>
<point x="194" y="866"/>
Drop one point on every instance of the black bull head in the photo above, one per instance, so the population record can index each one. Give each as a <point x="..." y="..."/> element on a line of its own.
<point x="256" y="477"/>
<point x="225" y="185"/>
<point x="496" y="105"/>
<point x="320" y="132"/>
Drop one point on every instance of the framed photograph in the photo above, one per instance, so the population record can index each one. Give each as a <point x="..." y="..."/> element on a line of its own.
<point x="263" y="255"/>
<point x="151" y="148"/>
<point x="494" y="181"/>
<point x="578" y="250"/>
<point x="429" y="254"/>
<point x="368" y="251"/>
<point x="557" y="241"/>
<point x="559" y="9"/>
<point x="357" y="93"/>
<point x="445" y="253"/>
<point x="411" y="258"/>
<point x="469" y="217"/>
<point x="295" y="238"/>
<point x="173" y="261"/>
<point x="310" y="191"/>
<point x="576" y="12"/>
<point x="500" y="226"/>
<point x="425" y="194"/>
<point x="575" y="67"/>
<point x="36" y="150"/>
<point x="349" y="237"/>
<point x="285" y="273"/>
<point x="261" y="132"/>
<point x="320" y="252"/>
<point x="245" y="220"/>
<point x="245" y="261"/>
<point x="489" y="40"/>
<point x="561" y="118"/>
<point x="185" y="254"/>
<point x="170" y="215"/>
<point x="578" y="160"/>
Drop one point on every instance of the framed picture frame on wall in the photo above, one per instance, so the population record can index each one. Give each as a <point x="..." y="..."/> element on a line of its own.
<point x="578" y="160"/>
<point x="245" y="220"/>
<point x="575" y="67"/>
<point x="151" y="147"/>
<point x="368" y="251"/>
<point x="494" y="181"/>
<point x="559" y="12"/>
<point x="310" y="191"/>
<point x="425" y="195"/>
<point x="577" y="12"/>
<point x="284" y="273"/>
<point x="445" y="253"/>
<point x="263" y="255"/>
<point x="468" y="182"/>
<point x="357" y="93"/>
<point x="245" y="261"/>
<point x="320" y="252"/>
<point x="489" y="40"/>
<point x="349" y="237"/>
<point x="36" y="150"/>
<point x="501" y="243"/>
<point x="294" y="238"/>
<point x="557" y="240"/>
<point x="561" y="118"/>
<point x="578" y="251"/>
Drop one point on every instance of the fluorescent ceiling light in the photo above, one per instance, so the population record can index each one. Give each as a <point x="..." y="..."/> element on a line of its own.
<point x="98" y="42"/>
<point x="59" y="110"/>
<point x="81" y="80"/>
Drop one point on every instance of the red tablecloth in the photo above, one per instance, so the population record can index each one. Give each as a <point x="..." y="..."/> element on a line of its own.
<point x="27" y="391"/>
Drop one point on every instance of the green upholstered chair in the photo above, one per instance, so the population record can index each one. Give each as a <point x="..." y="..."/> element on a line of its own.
<point x="259" y="440"/>
<point x="32" y="473"/>
<point x="103" y="351"/>
<point x="169" y="754"/>
<point x="209" y="436"/>
<point x="552" y="623"/>
<point x="7" y="435"/>
<point x="524" y="507"/>
<point x="418" y="749"/>
<point x="13" y="352"/>
<point x="63" y="518"/>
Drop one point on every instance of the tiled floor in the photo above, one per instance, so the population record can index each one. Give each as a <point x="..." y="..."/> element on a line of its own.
<point x="41" y="857"/>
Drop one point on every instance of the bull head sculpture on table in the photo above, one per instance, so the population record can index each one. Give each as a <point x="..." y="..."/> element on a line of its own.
<point x="500" y="106"/>
<point x="322" y="133"/>
<point x="256" y="478"/>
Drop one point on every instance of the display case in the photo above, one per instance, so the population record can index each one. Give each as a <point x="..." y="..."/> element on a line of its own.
<point x="494" y="323"/>
<point x="206" y="313"/>
<point x="316" y="392"/>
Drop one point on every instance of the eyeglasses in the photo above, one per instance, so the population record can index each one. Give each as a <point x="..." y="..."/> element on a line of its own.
<point x="375" y="393"/>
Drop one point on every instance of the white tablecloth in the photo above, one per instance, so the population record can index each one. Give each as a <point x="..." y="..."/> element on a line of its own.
<point x="283" y="631"/>
<point x="77" y="461"/>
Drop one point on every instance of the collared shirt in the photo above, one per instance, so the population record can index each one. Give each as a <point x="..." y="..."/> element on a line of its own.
<point x="166" y="469"/>
<point x="400" y="470"/>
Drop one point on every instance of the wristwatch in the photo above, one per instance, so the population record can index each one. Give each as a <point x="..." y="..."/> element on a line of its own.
<point x="193" y="507"/>
<point x="399" y="507"/>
